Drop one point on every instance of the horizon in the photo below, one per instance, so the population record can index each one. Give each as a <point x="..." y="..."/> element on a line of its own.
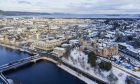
<point x="73" y="7"/>
<point x="69" y="13"/>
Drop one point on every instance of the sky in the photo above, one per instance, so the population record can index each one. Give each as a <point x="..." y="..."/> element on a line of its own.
<point x="73" y="6"/>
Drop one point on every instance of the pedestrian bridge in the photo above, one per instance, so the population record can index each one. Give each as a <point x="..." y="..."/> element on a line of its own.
<point x="16" y="64"/>
<point x="19" y="63"/>
<point x="3" y="78"/>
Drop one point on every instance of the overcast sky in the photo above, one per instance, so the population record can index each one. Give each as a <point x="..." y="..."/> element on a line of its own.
<point x="73" y="6"/>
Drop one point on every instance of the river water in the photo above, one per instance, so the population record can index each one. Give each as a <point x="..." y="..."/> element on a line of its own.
<point x="43" y="72"/>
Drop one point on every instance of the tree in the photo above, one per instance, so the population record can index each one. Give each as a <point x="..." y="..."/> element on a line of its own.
<point x="68" y="50"/>
<point x="120" y="38"/>
<point x="130" y="80"/>
<point x="136" y="43"/>
<point x="105" y="65"/>
<point x="130" y="38"/>
<point x="112" y="78"/>
<point x="92" y="59"/>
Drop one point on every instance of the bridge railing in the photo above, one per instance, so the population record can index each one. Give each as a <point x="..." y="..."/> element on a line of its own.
<point x="18" y="62"/>
<point x="4" y="78"/>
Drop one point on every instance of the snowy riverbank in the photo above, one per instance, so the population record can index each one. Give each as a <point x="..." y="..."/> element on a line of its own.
<point x="74" y="73"/>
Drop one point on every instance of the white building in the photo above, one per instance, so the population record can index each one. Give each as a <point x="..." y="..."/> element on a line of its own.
<point x="59" y="51"/>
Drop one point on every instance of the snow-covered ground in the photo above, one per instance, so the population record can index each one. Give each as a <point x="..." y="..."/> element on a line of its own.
<point x="79" y="60"/>
<point x="127" y="71"/>
<point x="74" y="73"/>
<point x="131" y="48"/>
<point x="120" y="75"/>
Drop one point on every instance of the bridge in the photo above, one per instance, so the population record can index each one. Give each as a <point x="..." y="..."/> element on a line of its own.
<point x="16" y="64"/>
<point x="4" y="80"/>
<point x="19" y="63"/>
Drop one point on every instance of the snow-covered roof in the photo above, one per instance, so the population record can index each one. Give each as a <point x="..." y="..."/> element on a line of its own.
<point x="59" y="48"/>
<point x="129" y="47"/>
<point x="65" y="45"/>
<point x="74" y="41"/>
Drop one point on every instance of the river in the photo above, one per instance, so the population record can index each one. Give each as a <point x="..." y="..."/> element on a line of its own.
<point x="43" y="72"/>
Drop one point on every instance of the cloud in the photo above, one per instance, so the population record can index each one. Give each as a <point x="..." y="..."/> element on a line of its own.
<point x="74" y="6"/>
<point x="24" y="2"/>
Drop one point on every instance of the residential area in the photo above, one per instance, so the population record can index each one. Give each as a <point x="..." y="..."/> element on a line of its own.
<point x="106" y="49"/>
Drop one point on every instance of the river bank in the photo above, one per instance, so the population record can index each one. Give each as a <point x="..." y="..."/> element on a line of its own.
<point x="63" y="67"/>
<point x="74" y="73"/>
<point x="44" y="71"/>
<point x="16" y="48"/>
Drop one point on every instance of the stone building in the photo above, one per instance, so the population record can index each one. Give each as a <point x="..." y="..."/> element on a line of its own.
<point x="102" y="48"/>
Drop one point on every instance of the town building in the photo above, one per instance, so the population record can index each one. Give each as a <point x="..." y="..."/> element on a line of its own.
<point x="58" y="51"/>
<point x="105" y="49"/>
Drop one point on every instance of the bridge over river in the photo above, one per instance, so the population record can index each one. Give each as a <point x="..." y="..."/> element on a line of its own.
<point x="16" y="64"/>
<point x="21" y="62"/>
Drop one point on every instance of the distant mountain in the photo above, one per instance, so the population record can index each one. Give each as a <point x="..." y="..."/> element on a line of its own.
<point x="67" y="15"/>
<point x="1" y="12"/>
<point x="18" y="13"/>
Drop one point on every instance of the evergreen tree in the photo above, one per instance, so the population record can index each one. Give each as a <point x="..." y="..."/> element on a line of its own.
<point x="105" y="65"/>
<point x="92" y="59"/>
